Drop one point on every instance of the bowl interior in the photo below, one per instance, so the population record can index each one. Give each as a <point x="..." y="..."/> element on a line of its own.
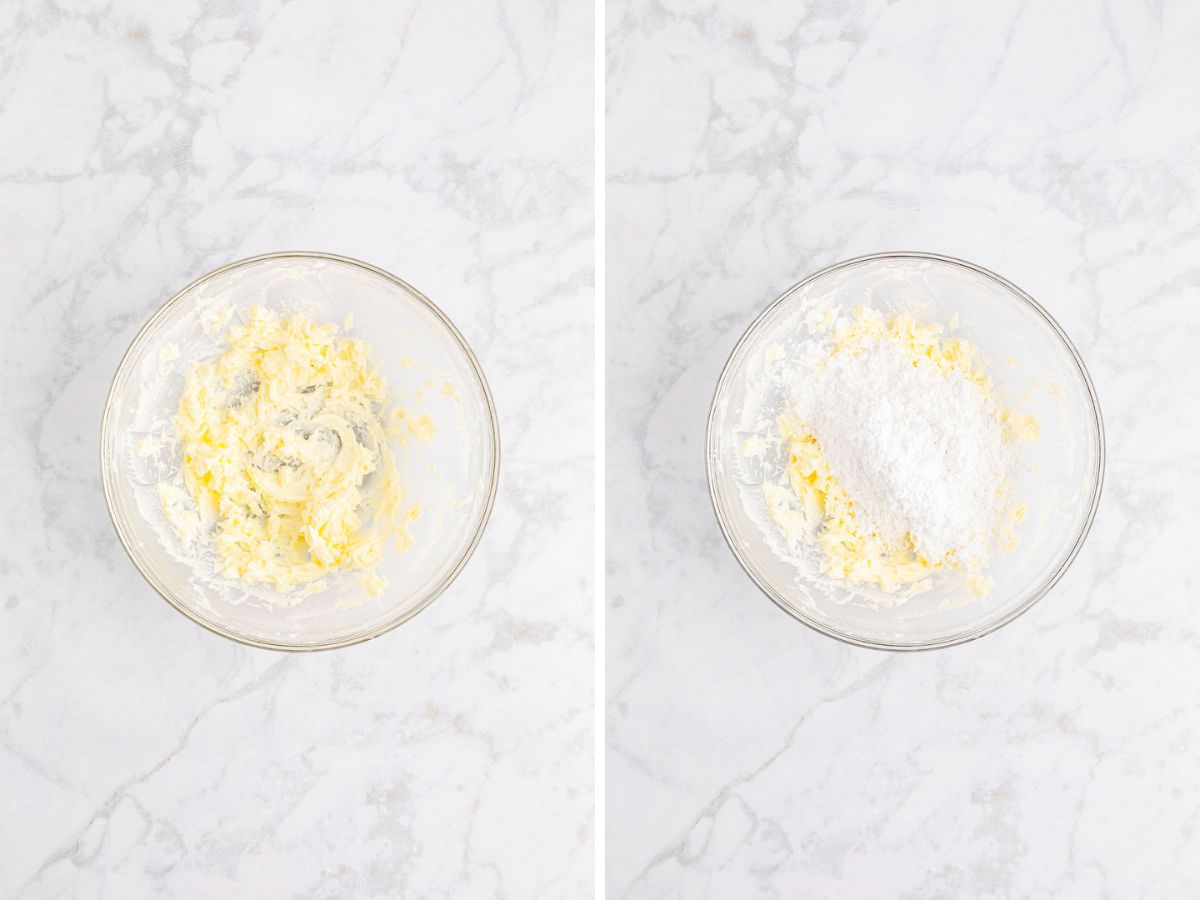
<point x="429" y="369"/>
<point x="1034" y="368"/>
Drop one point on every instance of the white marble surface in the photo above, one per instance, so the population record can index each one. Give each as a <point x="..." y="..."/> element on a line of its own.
<point x="143" y="144"/>
<point x="750" y="144"/>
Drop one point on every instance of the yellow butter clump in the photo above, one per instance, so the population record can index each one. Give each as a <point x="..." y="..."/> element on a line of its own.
<point x="851" y="553"/>
<point x="286" y="454"/>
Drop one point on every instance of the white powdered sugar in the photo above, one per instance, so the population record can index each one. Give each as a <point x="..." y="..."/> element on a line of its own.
<point x="920" y="452"/>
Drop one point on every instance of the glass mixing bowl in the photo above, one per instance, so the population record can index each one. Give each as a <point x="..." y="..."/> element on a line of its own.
<point x="429" y="368"/>
<point x="1034" y="367"/>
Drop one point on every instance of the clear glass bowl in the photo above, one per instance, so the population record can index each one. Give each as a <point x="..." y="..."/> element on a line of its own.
<point x="1061" y="473"/>
<point x="419" y="351"/>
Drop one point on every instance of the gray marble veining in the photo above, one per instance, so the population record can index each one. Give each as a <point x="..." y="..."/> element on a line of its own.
<point x="144" y="144"/>
<point x="751" y="144"/>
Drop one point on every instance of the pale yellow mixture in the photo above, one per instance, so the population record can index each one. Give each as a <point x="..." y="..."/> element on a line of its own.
<point x="286" y="454"/>
<point x="851" y="553"/>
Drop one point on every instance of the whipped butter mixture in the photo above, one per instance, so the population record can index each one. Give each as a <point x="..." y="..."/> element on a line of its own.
<point x="287" y="459"/>
<point x="899" y="457"/>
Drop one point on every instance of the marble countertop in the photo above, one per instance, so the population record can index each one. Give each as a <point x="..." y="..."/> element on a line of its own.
<point x="751" y="144"/>
<point x="145" y="144"/>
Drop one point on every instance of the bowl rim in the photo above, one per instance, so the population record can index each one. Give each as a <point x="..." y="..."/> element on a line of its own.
<point x="952" y="640"/>
<point x="464" y="555"/>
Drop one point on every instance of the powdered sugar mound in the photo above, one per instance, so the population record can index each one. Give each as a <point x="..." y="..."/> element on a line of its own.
<point x="919" y="451"/>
